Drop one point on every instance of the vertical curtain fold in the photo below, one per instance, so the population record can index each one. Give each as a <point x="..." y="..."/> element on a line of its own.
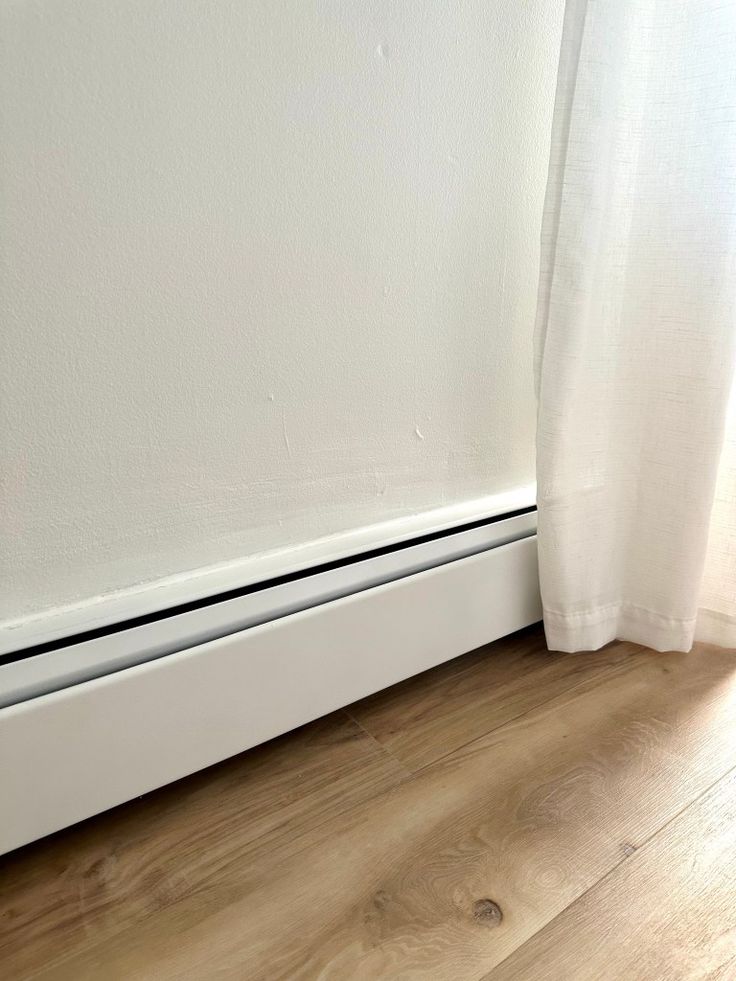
<point x="634" y="349"/>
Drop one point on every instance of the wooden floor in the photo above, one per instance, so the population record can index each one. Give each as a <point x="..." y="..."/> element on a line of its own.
<point x="511" y="814"/>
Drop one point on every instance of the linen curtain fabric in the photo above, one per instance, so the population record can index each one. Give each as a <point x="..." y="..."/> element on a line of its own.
<point x="634" y="350"/>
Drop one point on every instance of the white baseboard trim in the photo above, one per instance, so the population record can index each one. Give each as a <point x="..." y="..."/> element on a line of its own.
<point x="172" y="591"/>
<point x="76" y="752"/>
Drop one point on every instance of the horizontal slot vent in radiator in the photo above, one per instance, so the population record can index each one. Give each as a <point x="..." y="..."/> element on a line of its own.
<point x="53" y="666"/>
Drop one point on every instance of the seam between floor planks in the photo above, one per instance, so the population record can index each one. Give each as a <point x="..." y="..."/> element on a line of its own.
<point x="605" y="670"/>
<point x="636" y="864"/>
<point x="632" y="857"/>
<point x="384" y="749"/>
<point x="427" y="717"/>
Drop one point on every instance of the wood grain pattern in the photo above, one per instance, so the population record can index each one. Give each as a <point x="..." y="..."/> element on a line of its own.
<point x="76" y="887"/>
<point x="667" y="912"/>
<point x="431" y="715"/>
<point x="403" y="885"/>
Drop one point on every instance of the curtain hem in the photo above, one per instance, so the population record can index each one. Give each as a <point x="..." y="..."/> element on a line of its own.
<point x="575" y="632"/>
<point x="590" y="631"/>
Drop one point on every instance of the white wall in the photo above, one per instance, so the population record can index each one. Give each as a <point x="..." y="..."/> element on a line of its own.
<point x="268" y="274"/>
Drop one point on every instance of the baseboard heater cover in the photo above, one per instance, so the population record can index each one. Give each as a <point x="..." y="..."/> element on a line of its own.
<point x="42" y="668"/>
<point x="79" y="750"/>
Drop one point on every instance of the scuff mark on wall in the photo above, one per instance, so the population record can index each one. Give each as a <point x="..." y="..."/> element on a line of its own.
<point x="287" y="444"/>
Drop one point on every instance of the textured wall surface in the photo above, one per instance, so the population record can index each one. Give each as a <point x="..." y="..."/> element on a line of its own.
<point x="268" y="274"/>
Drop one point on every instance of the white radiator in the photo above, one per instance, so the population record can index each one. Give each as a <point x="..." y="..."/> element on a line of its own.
<point x="120" y="711"/>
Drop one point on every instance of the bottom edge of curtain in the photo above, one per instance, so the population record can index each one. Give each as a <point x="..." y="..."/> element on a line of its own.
<point x="589" y="632"/>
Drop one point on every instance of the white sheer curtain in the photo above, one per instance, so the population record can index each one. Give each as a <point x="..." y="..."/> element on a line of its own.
<point x="636" y="328"/>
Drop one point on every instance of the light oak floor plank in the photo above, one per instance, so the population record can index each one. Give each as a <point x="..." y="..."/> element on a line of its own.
<point x="78" y="886"/>
<point x="427" y="717"/>
<point x="667" y="913"/>
<point x="529" y="817"/>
